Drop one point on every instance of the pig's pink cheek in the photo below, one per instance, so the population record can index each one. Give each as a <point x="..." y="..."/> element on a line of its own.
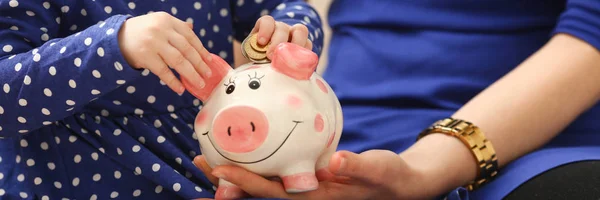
<point x="322" y="86"/>
<point x="294" y="101"/>
<point x="319" y="123"/>
<point x="201" y="118"/>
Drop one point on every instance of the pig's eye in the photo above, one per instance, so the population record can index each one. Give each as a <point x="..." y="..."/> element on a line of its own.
<point x="254" y="84"/>
<point x="230" y="89"/>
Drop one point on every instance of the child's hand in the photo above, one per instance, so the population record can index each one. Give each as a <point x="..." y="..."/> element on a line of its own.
<point x="277" y="32"/>
<point x="158" y="41"/>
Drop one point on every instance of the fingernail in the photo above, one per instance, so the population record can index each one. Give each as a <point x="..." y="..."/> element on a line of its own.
<point x="219" y="175"/>
<point x="208" y="74"/>
<point x="342" y="165"/>
<point x="262" y="40"/>
<point x="181" y="90"/>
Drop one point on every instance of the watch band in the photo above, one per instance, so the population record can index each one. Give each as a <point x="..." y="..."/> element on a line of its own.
<point x="471" y="136"/>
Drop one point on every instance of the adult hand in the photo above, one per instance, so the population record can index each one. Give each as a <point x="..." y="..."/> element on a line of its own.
<point x="374" y="174"/>
<point x="158" y="41"/>
<point x="277" y="32"/>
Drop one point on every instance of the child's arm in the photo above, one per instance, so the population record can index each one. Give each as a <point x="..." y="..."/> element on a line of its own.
<point x="43" y="77"/>
<point x="291" y="12"/>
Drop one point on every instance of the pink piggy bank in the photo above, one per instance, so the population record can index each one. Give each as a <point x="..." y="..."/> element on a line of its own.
<point x="278" y="119"/>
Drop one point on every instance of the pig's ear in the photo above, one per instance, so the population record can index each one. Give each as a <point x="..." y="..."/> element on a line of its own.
<point x="219" y="69"/>
<point x="295" y="61"/>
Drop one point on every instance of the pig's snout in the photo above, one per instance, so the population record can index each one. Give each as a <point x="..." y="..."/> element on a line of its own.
<point x="240" y="129"/>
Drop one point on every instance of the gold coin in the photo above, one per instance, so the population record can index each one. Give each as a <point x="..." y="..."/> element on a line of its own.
<point x="253" y="55"/>
<point x="254" y="43"/>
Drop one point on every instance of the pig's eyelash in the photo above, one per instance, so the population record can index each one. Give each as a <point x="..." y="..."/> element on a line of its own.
<point x="255" y="76"/>
<point x="231" y="82"/>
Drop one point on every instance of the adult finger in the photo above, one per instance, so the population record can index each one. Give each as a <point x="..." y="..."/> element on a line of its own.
<point x="160" y="69"/>
<point x="281" y="34"/>
<point x="251" y="183"/>
<point x="266" y="26"/>
<point x="200" y="162"/>
<point x="192" y="38"/>
<point x="177" y="61"/>
<point x="299" y="34"/>
<point x="357" y="166"/>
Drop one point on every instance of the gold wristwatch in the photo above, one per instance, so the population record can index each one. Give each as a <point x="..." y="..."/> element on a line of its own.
<point x="471" y="136"/>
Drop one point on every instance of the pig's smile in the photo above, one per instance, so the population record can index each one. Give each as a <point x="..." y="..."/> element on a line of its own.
<point x="259" y="160"/>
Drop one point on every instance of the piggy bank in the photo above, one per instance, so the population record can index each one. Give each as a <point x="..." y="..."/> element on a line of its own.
<point x="278" y="119"/>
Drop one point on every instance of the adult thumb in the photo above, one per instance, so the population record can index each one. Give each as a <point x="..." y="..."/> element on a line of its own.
<point x="345" y="163"/>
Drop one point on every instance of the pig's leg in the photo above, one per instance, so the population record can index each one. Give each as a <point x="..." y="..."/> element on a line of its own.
<point x="300" y="177"/>
<point x="227" y="190"/>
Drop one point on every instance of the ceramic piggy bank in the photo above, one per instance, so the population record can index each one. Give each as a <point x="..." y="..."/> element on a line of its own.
<point x="278" y="119"/>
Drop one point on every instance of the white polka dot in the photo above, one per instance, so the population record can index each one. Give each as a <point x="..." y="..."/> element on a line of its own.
<point x="197" y="5"/>
<point x="174" y="10"/>
<point x="151" y="99"/>
<point x="24" y="143"/>
<point x="30" y="13"/>
<point x="14" y="28"/>
<point x="224" y="12"/>
<point x="34" y="51"/>
<point x="175" y="130"/>
<point x="47" y="92"/>
<point x="18" y="159"/>
<point x="223" y="54"/>
<point x="196" y="102"/>
<point x="216" y="28"/>
<point x="37" y="180"/>
<point x="44" y="146"/>
<point x="70" y="102"/>
<point x="83" y="130"/>
<point x="138" y="111"/>
<point x="52" y="70"/>
<point x="118" y="66"/>
<point x="198" y="189"/>
<point x="58" y="20"/>
<point x="120" y="82"/>
<point x="145" y="72"/>
<point x="281" y="6"/>
<point x="290" y="14"/>
<point x="114" y="195"/>
<point x="7" y="48"/>
<point x="45" y="197"/>
<point x="136" y="148"/>
<point x="95" y="92"/>
<point x="75" y="181"/>
<point x="27" y="80"/>
<point x="23" y="195"/>
<point x="210" y="44"/>
<point x="96" y="74"/>
<point x="18" y="66"/>
<point x="46" y="122"/>
<point x="117" y="174"/>
<point x="1" y="112"/>
<point x="94" y="156"/>
<point x="100" y="51"/>
<point x="13" y="3"/>
<point x="189" y="20"/>
<point x="63" y="49"/>
<point x="72" y="83"/>
<point x="45" y="111"/>
<point x="137" y="193"/>
<point x="23" y="102"/>
<point x="130" y="89"/>
<point x="96" y="177"/>
<point x="30" y="162"/>
<point x="176" y="187"/>
<point x="6" y="88"/>
<point x="45" y="37"/>
<point x="119" y="151"/>
<point x="57" y="184"/>
<point x="202" y="32"/>
<point x="155" y="167"/>
<point x="87" y="41"/>
<point x="77" y="157"/>
<point x="51" y="166"/>
<point x="77" y="62"/>
<point x="158" y="189"/>
<point x="178" y="160"/>
<point x="94" y="197"/>
<point x="64" y="9"/>
<point x="264" y="12"/>
<point x="157" y="123"/>
<point x="108" y="9"/>
<point x="131" y="5"/>
<point x="110" y="31"/>
<point x="20" y="177"/>
<point x="37" y="57"/>
<point x="22" y="120"/>
<point x="138" y="171"/>
<point x="46" y="5"/>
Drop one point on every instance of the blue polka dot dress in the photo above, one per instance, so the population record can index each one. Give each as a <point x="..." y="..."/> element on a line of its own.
<point x="77" y="122"/>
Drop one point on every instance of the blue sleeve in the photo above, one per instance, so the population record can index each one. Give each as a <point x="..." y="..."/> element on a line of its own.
<point x="246" y="13"/>
<point x="581" y="19"/>
<point x="45" y="78"/>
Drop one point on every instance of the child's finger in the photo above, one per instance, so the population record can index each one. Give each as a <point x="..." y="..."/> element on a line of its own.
<point x="266" y="27"/>
<point x="160" y="69"/>
<point x="190" y="36"/>
<point x="299" y="34"/>
<point x="281" y="34"/>
<point x="174" y="58"/>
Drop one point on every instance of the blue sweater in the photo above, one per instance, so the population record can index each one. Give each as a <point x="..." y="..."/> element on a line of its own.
<point x="79" y="123"/>
<point x="398" y="66"/>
